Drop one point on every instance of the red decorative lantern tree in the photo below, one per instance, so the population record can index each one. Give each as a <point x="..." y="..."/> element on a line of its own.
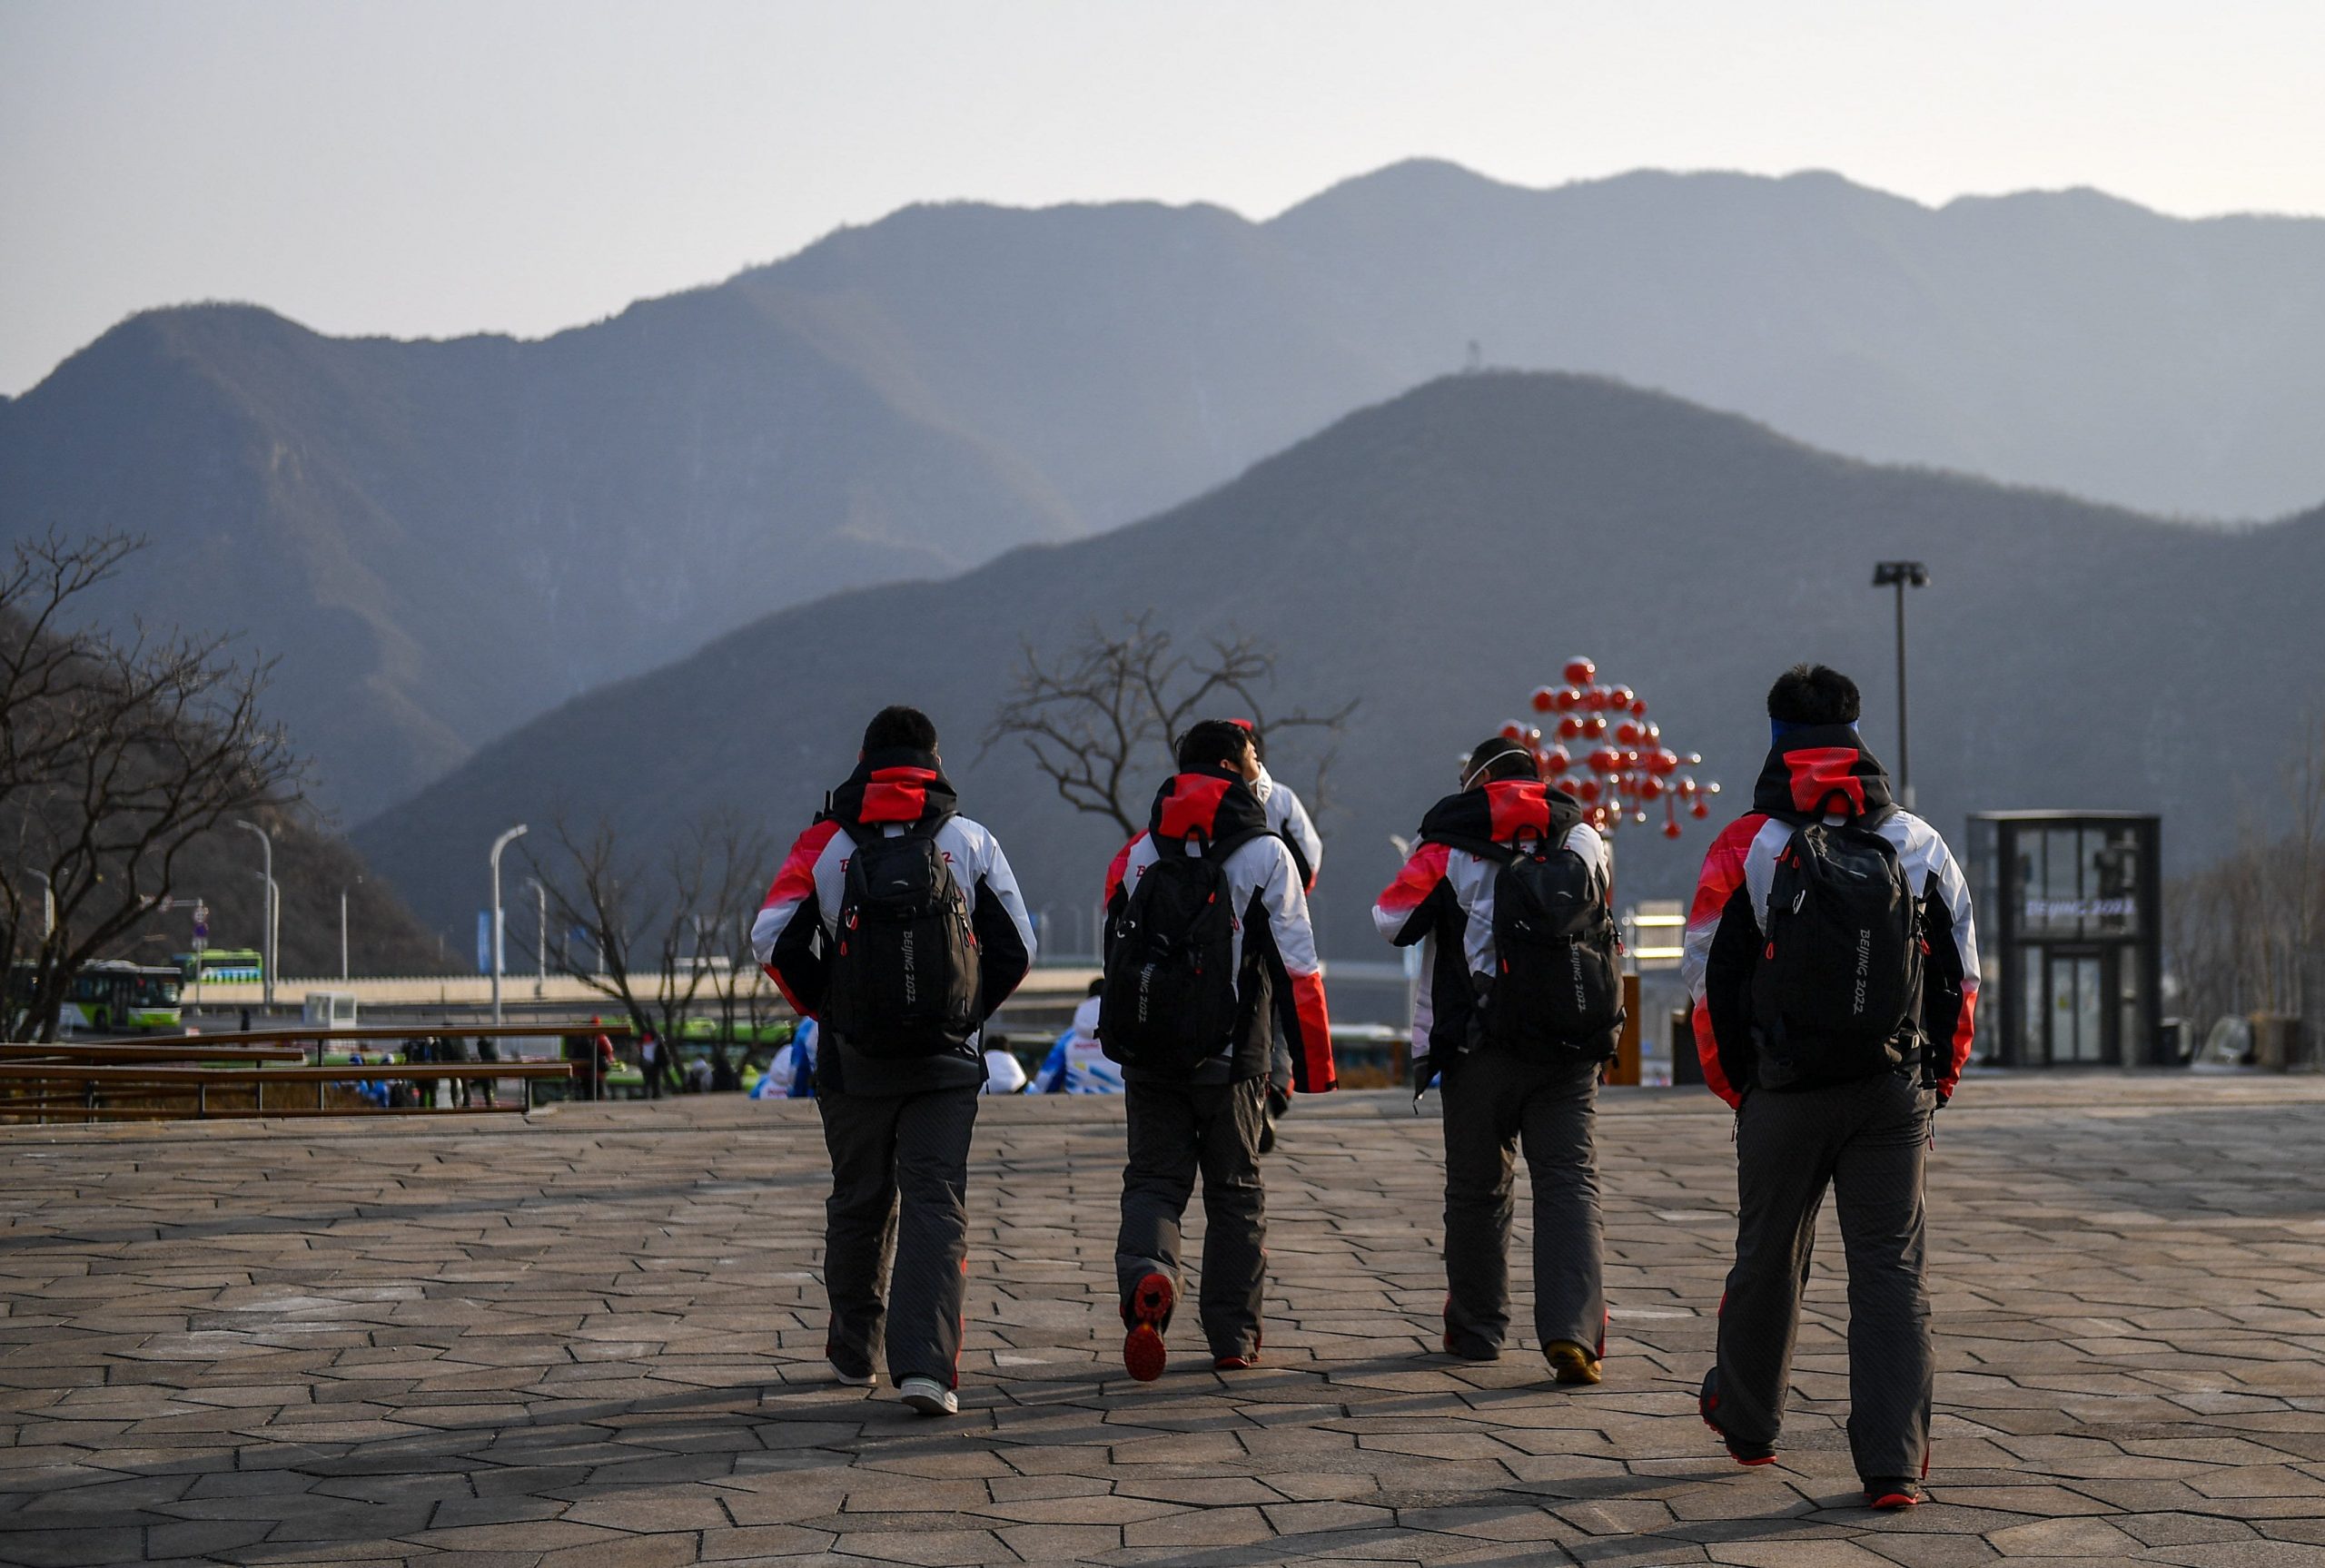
<point x="1625" y="768"/>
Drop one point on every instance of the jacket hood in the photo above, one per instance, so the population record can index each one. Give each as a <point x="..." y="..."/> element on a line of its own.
<point x="1821" y="770"/>
<point x="1214" y="804"/>
<point x="897" y="785"/>
<point x="1501" y="813"/>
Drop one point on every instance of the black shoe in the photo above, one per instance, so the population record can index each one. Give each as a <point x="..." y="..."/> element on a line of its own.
<point x="1279" y="1102"/>
<point x="1738" y="1449"/>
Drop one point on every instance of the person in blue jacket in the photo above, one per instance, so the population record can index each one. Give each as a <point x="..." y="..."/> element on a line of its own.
<point x="1076" y="1065"/>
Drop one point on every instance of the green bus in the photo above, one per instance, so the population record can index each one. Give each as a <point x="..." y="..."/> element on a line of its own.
<point x="220" y="964"/>
<point x="110" y="996"/>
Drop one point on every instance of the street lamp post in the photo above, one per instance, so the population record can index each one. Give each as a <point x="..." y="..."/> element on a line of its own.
<point x="47" y="904"/>
<point x="266" y="843"/>
<point x="540" y="936"/>
<point x="1901" y="575"/>
<point x="503" y="841"/>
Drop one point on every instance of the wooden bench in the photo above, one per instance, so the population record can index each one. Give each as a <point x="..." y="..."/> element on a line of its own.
<point x="46" y="1079"/>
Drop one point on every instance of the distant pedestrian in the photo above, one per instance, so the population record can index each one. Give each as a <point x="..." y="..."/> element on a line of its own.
<point x="1004" y="1073"/>
<point x="601" y="1059"/>
<point x="1077" y="1063"/>
<point x="488" y="1051"/>
<point x="896" y="923"/>
<point x="649" y="1062"/>
<point x="455" y="1049"/>
<point x="1834" y="968"/>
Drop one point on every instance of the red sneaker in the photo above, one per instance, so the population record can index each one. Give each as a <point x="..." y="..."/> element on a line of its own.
<point x="1149" y="1307"/>
<point x="1238" y="1363"/>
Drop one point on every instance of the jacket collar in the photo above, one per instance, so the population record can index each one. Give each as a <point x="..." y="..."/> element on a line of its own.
<point x="1821" y="770"/>
<point x="1500" y="812"/>
<point x="1212" y="805"/>
<point x="895" y="786"/>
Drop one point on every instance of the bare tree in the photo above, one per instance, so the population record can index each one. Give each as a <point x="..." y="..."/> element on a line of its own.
<point x="2247" y="935"/>
<point x="115" y="753"/>
<point x="657" y="927"/>
<point x="1100" y="718"/>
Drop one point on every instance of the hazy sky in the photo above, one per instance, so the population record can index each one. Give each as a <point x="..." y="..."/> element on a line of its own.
<point x="427" y="168"/>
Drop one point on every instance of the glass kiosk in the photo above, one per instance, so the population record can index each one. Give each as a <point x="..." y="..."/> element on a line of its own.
<point x="2070" y="936"/>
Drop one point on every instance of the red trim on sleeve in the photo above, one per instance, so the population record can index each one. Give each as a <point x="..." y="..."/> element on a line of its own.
<point x="1317" y="1073"/>
<point x="1118" y="869"/>
<point x="1723" y="871"/>
<point x="1964" y="1033"/>
<point x="797" y="877"/>
<point x="1417" y="881"/>
<point x="1708" y="1053"/>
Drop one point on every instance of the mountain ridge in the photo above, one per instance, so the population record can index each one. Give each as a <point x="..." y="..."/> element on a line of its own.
<point x="446" y="537"/>
<point x="1377" y="556"/>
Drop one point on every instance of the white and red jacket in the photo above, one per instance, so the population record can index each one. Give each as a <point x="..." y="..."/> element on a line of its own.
<point x="1822" y="771"/>
<point x="1288" y="815"/>
<point x="889" y="793"/>
<point x="1275" y="963"/>
<point x="1443" y="898"/>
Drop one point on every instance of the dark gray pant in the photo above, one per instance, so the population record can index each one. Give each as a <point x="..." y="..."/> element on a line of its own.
<point x="1176" y="1130"/>
<point x="1496" y="1103"/>
<point x="895" y="1229"/>
<point x="1868" y="1140"/>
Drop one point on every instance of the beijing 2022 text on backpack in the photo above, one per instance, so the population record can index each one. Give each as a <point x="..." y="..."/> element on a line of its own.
<point x="1556" y="987"/>
<point x="1169" y="1002"/>
<point x="1837" y="991"/>
<point x="904" y="975"/>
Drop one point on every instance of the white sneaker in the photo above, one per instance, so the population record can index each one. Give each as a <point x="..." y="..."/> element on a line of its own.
<point x="928" y="1397"/>
<point x="853" y="1380"/>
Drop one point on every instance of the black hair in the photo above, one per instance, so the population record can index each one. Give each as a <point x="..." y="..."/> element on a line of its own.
<point x="1214" y="743"/>
<point x="900" y="728"/>
<point x="1259" y="741"/>
<point x="1813" y="694"/>
<point x="1498" y="757"/>
<point x="1098" y="986"/>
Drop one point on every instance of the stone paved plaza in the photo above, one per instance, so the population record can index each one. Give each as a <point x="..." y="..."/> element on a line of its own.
<point x="593" y="1338"/>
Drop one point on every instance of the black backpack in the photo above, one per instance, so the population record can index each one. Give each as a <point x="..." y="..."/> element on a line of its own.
<point x="1557" y="988"/>
<point x="904" y="971"/>
<point x="1837" y="992"/>
<point x="1169" y="1002"/>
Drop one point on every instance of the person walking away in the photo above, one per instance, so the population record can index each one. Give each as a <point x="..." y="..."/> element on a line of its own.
<point x="1833" y="963"/>
<point x="896" y="924"/>
<point x="488" y="1052"/>
<point x="455" y="1049"/>
<point x="649" y="1063"/>
<point x="1076" y="1063"/>
<point x="1508" y="890"/>
<point x="1208" y="941"/>
<point x="1287" y="816"/>
<point x="601" y="1060"/>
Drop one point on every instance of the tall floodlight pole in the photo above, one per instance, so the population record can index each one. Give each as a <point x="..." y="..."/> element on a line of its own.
<point x="342" y="933"/>
<point x="503" y="841"/>
<point x="1901" y="575"/>
<point x="266" y="843"/>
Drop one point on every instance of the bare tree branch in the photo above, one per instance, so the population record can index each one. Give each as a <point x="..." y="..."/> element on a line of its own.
<point x="115" y="754"/>
<point x="1101" y="719"/>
